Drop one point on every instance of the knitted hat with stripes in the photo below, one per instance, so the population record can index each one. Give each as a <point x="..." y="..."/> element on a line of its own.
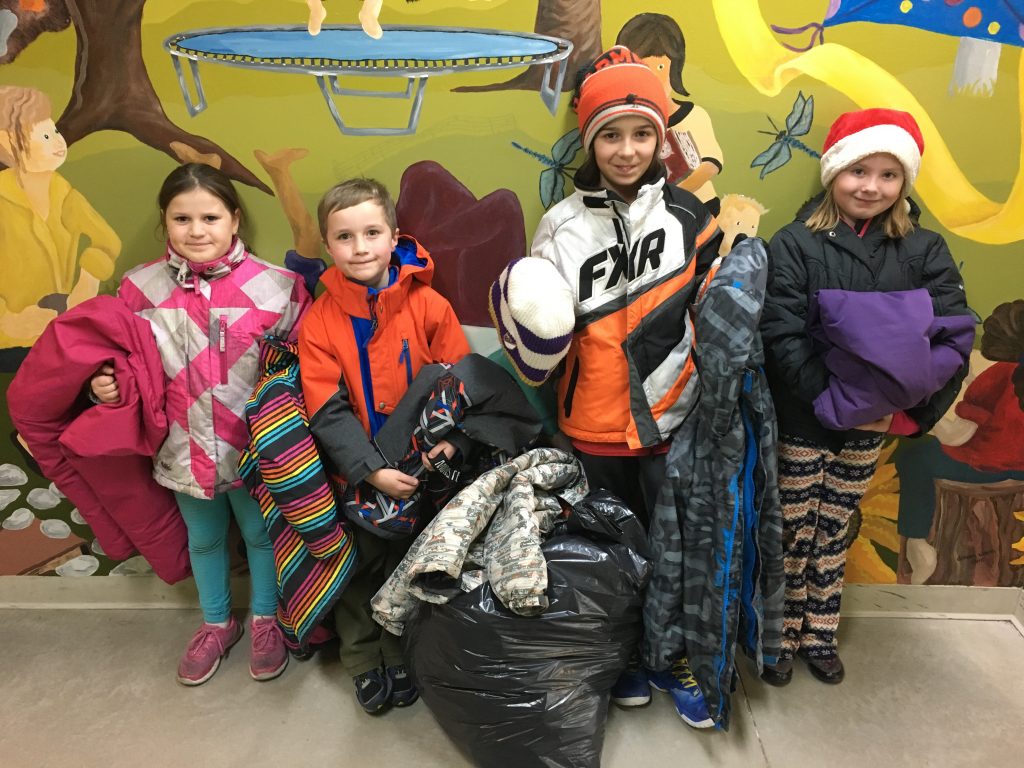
<point x="618" y="83"/>
<point x="533" y="311"/>
<point x="856" y="135"/>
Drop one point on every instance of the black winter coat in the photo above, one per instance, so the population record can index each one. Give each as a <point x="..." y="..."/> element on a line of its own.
<point x="801" y="263"/>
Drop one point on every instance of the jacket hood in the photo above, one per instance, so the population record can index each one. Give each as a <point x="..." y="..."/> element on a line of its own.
<point x="276" y="354"/>
<point x="805" y="210"/>
<point x="412" y="260"/>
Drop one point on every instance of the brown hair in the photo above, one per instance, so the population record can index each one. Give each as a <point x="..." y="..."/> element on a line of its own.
<point x="190" y="176"/>
<point x="20" y="109"/>
<point x="655" y="34"/>
<point x="353" y="192"/>
<point x="896" y="221"/>
<point x="1003" y="340"/>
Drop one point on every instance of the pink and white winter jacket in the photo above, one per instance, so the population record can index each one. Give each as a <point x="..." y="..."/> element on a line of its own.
<point x="208" y="320"/>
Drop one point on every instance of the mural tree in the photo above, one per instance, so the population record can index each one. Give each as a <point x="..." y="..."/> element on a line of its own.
<point x="112" y="89"/>
<point x="575" y="20"/>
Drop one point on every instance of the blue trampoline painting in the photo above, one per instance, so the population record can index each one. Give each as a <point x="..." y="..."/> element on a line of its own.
<point x="413" y="53"/>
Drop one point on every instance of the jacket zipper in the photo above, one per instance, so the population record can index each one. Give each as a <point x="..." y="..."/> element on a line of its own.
<point x="222" y="335"/>
<point x="406" y="357"/>
<point x="571" y="389"/>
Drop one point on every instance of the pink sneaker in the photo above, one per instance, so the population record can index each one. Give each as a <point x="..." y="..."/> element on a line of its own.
<point x="208" y="646"/>
<point x="269" y="656"/>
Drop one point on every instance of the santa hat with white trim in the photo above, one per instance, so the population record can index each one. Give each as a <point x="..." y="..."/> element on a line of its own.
<point x="856" y="135"/>
<point x="618" y="83"/>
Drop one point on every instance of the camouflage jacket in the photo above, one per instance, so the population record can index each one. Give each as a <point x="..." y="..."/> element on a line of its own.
<point x="491" y="530"/>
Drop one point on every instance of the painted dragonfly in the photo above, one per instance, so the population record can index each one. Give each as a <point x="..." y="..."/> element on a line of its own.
<point x="552" y="178"/>
<point x="798" y="123"/>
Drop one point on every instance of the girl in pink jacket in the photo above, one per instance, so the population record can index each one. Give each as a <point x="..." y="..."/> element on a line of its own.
<point x="209" y="301"/>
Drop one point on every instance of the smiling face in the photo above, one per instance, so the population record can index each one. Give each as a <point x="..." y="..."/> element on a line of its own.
<point x="360" y="243"/>
<point x="199" y="225"/>
<point x="46" y="149"/>
<point x="868" y="187"/>
<point x="623" y="151"/>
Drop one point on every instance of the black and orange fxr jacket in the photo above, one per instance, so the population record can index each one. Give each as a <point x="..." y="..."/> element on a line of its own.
<point x="634" y="270"/>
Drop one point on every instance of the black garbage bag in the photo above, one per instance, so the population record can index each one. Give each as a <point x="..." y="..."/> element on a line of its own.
<point x="517" y="691"/>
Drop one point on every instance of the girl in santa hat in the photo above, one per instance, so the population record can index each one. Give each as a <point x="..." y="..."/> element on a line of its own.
<point x="861" y="234"/>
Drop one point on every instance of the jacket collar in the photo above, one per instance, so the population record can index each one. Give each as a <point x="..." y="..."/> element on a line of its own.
<point x="188" y="273"/>
<point x="845" y="237"/>
<point x="603" y="202"/>
<point x="276" y="354"/>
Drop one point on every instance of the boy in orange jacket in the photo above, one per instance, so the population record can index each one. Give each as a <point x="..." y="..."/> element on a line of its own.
<point x="360" y="346"/>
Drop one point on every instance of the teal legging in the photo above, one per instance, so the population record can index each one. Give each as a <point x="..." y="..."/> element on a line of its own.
<point x="207" y="521"/>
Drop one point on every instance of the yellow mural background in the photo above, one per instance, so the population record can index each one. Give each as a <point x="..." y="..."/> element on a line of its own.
<point x="471" y="133"/>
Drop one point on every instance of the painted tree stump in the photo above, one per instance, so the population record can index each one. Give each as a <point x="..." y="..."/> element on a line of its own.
<point x="973" y="532"/>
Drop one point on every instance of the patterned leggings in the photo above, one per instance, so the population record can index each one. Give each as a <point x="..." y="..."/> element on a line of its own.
<point x="820" y="491"/>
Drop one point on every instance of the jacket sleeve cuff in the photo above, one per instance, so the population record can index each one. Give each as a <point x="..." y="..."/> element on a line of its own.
<point x="903" y="425"/>
<point x="364" y="469"/>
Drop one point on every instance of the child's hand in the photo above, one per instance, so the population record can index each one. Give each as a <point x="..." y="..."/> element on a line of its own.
<point x="442" y="447"/>
<point x="104" y="385"/>
<point x="393" y="482"/>
<point x="878" y="425"/>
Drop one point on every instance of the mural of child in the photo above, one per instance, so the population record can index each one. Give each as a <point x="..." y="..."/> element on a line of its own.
<point x="983" y="445"/>
<point x="739" y="215"/>
<point x="691" y="152"/>
<point x="43" y="223"/>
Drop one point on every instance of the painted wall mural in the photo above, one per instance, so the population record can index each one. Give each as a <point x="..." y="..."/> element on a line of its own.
<point x="463" y="108"/>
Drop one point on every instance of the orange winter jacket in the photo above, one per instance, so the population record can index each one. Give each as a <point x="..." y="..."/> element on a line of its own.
<point x="412" y="326"/>
<point x="634" y="269"/>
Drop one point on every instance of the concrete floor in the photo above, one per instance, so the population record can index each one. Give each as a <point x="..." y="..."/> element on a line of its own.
<point x="96" y="688"/>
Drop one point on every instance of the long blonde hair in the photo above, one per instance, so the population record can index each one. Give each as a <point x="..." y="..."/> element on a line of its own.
<point x="20" y="110"/>
<point x="896" y="221"/>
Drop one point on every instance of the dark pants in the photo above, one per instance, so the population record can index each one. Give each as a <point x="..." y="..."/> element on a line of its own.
<point x="365" y="644"/>
<point x="919" y="464"/>
<point x="634" y="479"/>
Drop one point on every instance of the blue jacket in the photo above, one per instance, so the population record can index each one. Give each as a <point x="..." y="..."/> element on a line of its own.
<point x="716" y="530"/>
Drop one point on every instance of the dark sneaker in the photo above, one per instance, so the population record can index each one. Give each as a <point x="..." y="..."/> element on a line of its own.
<point x="686" y="695"/>
<point x="778" y="674"/>
<point x="205" y="650"/>
<point x="373" y="689"/>
<point x="828" y="670"/>
<point x="631" y="689"/>
<point x="269" y="655"/>
<point x="403" y="692"/>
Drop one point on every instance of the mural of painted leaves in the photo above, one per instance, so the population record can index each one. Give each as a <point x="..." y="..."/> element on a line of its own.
<point x="470" y="240"/>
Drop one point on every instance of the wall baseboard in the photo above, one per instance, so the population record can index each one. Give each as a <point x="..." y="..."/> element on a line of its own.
<point x="859" y="600"/>
<point x="927" y="601"/>
<point x="106" y="592"/>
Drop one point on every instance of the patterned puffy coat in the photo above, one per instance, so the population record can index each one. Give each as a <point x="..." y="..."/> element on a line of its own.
<point x="514" y="504"/>
<point x="314" y="556"/>
<point x="207" y="326"/>
<point x="716" y="531"/>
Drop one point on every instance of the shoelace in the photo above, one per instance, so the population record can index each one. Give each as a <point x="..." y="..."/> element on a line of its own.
<point x="263" y="634"/>
<point x="399" y="672"/>
<point x="682" y="673"/>
<point x="202" y="638"/>
<point x="365" y="680"/>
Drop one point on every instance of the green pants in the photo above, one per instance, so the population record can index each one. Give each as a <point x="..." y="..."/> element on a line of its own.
<point x="365" y="644"/>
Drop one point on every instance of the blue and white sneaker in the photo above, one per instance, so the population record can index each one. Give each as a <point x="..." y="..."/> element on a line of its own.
<point x="686" y="695"/>
<point x="631" y="689"/>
